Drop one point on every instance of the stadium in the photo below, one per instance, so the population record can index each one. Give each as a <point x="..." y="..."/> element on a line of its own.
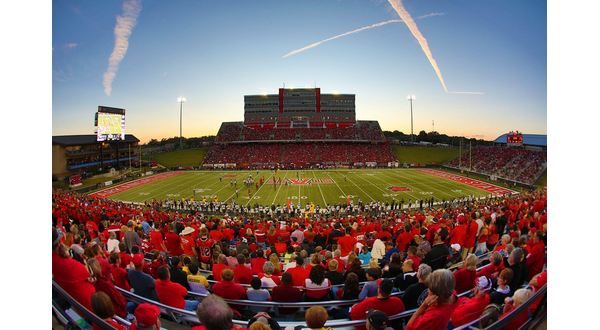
<point x="303" y="215"/>
<point x="296" y="167"/>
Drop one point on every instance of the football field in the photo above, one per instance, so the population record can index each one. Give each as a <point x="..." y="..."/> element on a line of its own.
<point x="321" y="187"/>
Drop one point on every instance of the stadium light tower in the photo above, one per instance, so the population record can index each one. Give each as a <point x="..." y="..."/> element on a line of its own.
<point x="411" y="98"/>
<point x="180" y="99"/>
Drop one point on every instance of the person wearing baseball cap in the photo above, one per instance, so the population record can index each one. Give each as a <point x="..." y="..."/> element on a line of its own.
<point x="142" y="283"/>
<point x="469" y="309"/>
<point x="146" y="318"/>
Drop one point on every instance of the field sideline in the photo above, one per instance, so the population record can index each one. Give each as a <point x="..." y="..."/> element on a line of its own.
<point x="321" y="187"/>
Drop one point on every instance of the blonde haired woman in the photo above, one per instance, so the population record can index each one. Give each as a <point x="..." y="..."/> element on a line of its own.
<point x="277" y="267"/>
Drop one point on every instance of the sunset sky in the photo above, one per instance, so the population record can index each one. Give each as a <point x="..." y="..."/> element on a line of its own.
<point x="215" y="52"/>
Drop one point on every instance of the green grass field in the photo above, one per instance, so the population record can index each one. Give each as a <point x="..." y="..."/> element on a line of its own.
<point x="186" y="157"/>
<point x="424" y="155"/>
<point x="326" y="187"/>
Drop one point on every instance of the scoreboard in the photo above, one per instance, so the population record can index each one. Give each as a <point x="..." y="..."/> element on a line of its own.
<point x="110" y="124"/>
<point x="514" y="139"/>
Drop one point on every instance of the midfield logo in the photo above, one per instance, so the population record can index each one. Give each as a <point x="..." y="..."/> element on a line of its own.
<point x="300" y="181"/>
<point x="398" y="188"/>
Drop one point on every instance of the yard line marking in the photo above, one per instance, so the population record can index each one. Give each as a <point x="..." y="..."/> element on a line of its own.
<point x="318" y="185"/>
<point x="174" y="186"/>
<point x="415" y="182"/>
<point x="177" y="187"/>
<point x="373" y="199"/>
<point x="343" y="193"/>
<point x="257" y="190"/>
<point x="277" y="193"/>
<point x="385" y="183"/>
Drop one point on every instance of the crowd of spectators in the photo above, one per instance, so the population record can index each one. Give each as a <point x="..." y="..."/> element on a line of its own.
<point x="298" y="155"/>
<point x="389" y="260"/>
<point x="516" y="164"/>
<point x="361" y="130"/>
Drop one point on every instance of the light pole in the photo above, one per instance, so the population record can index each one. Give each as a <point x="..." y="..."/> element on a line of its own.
<point x="181" y="99"/>
<point x="411" y="98"/>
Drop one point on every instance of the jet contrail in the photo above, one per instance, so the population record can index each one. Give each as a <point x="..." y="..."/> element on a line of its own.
<point x="125" y="24"/>
<point x="412" y="26"/>
<point x="469" y="93"/>
<point x="315" y="44"/>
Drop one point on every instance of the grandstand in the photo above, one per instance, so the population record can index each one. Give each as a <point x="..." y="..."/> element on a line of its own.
<point x="267" y="252"/>
<point x="523" y="163"/>
<point x="299" y="128"/>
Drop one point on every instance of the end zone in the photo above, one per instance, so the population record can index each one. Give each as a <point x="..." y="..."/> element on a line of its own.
<point x="133" y="184"/>
<point x="491" y="188"/>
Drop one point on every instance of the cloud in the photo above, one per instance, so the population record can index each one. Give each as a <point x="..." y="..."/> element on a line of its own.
<point x="70" y="45"/>
<point x="468" y="93"/>
<point x="431" y="15"/>
<point x="125" y="24"/>
<point x="364" y="28"/>
<point x="414" y="29"/>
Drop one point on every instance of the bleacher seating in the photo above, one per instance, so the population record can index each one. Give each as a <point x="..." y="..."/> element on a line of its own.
<point x="84" y="209"/>
<point x="515" y="164"/>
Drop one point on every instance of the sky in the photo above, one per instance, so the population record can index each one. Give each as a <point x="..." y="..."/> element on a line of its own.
<point x="215" y="52"/>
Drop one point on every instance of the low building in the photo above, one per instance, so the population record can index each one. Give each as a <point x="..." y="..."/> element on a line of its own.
<point x="73" y="154"/>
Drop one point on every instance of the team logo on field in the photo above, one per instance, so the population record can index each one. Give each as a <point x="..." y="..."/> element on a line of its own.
<point x="398" y="188"/>
<point x="301" y="181"/>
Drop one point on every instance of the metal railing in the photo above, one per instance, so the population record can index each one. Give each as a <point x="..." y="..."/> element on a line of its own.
<point x="500" y="324"/>
<point x="82" y="311"/>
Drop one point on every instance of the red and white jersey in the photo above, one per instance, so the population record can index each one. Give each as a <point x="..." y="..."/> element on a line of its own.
<point x="205" y="246"/>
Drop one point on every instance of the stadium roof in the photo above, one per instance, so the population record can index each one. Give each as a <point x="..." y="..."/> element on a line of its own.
<point x="76" y="140"/>
<point x="528" y="139"/>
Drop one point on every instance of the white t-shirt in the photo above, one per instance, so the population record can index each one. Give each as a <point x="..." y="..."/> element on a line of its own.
<point x="112" y="245"/>
<point x="310" y="285"/>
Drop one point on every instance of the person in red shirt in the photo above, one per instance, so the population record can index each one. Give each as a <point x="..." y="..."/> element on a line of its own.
<point x="458" y="235"/>
<point x="204" y="246"/>
<point x="299" y="273"/>
<point x="104" y="283"/>
<point x="243" y="274"/>
<point x="280" y="246"/>
<point x="511" y="304"/>
<point x="404" y="238"/>
<point x="219" y="267"/>
<point x="119" y="274"/>
<point x="435" y="311"/>
<point x="537" y="255"/>
<point x="173" y="242"/>
<point x="382" y="302"/>
<point x="471" y="235"/>
<point x="346" y="243"/>
<point x="286" y="292"/>
<point x="465" y="277"/>
<point x="469" y="309"/>
<point x="258" y="262"/>
<point x="216" y="234"/>
<point x="102" y="306"/>
<point x="187" y="242"/>
<point x="156" y="240"/>
<point x="228" y="289"/>
<point x="412" y="255"/>
<point x="492" y="269"/>
<point x="71" y="275"/>
<point x="171" y="293"/>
